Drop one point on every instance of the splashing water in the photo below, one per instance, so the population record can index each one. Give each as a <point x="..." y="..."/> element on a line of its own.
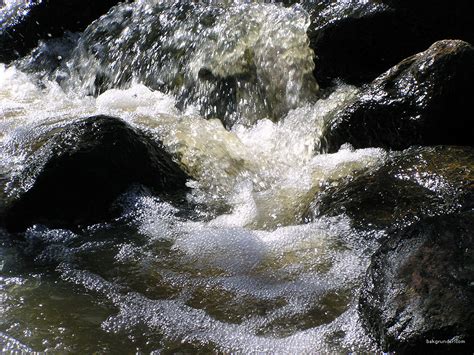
<point x="246" y="274"/>
<point x="12" y="10"/>
<point x="239" y="63"/>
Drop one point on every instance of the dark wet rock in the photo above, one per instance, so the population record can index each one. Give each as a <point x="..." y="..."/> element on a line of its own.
<point x="424" y="100"/>
<point x="79" y="171"/>
<point x="20" y="32"/>
<point x="413" y="184"/>
<point x="419" y="287"/>
<point x="357" y="40"/>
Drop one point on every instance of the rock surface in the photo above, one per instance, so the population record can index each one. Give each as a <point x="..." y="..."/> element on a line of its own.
<point x="46" y="19"/>
<point x="357" y="40"/>
<point x="78" y="172"/>
<point x="413" y="184"/>
<point x="424" y="100"/>
<point x="419" y="287"/>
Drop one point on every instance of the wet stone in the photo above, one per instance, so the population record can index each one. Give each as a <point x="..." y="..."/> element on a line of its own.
<point x="424" y="100"/>
<point x="356" y="41"/>
<point x="415" y="183"/>
<point x="78" y="171"/>
<point x="418" y="293"/>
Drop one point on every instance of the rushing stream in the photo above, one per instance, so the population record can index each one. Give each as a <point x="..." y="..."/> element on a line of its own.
<point x="229" y="90"/>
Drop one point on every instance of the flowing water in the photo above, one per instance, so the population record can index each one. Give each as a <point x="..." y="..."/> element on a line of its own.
<point x="229" y="90"/>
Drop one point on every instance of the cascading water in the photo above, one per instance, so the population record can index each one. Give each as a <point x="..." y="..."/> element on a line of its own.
<point x="240" y="273"/>
<point x="238" y="70"/>
<point x="12" y="10"/>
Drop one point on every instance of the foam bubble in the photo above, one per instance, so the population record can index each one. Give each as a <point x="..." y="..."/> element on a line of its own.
<point x="234" y="250"/>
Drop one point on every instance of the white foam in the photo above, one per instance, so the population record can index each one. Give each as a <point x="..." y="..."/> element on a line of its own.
<point x="235" y="250"/>
<point x="134" y="99"/>
<point x="264" y="177"/>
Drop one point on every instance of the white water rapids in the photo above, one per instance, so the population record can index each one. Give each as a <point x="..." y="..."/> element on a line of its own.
<point x="248" y="274"/>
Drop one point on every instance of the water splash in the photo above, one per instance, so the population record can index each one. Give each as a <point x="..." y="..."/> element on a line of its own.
<point x="229" y="91"/>
<point x="238" y="62"/>
<point x="12" y="10"/>
<point x="244" y="271"/>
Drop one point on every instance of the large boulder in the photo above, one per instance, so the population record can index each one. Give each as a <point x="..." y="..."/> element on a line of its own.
<point x="77" y="172"/>
<point x="424" y="100"/>
<point x="413" y="184"/>
<point x="21" y="30"/>
<point x="418" y="294"/>
<point x="357" y="40"/>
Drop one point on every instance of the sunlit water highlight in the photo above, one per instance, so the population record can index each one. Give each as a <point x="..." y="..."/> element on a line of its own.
<point x="244" y="273"/>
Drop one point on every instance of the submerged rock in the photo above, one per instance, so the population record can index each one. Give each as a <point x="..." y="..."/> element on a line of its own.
<point x="413" y="184"/>
<point x="78" y="172"/>
<point x="424" y="100"/>
<point x="418" y="293"/>
<point x="21" y="30"/>
<point x="357" y="40"/>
